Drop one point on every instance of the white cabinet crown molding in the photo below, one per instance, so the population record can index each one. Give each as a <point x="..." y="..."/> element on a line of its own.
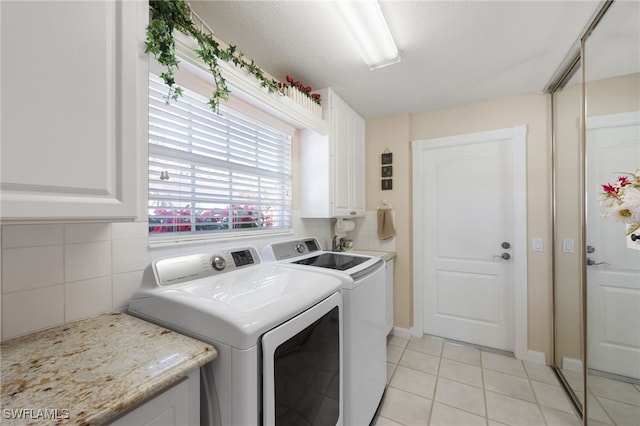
<point x="247" y="88"/>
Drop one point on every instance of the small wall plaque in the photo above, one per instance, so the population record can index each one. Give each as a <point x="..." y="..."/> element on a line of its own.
<point x="386" y="158"/>
<point x="387" y="171"/>
<point x="387" y="184"/>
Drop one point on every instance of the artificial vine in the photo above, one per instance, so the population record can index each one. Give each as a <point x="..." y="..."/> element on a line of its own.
<point x="168" y="16"/>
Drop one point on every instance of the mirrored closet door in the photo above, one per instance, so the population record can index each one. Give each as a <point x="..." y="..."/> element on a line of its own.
<point x="568" y="229"/>
<point x="611" y="60"/>
<point x="596" y="139"/>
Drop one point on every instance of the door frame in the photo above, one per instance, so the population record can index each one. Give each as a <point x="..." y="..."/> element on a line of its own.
<point x="518" y="135"/>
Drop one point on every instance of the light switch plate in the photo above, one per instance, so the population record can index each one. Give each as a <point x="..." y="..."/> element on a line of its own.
<point x="568" y="245"/>
<point x="537" y="244"/>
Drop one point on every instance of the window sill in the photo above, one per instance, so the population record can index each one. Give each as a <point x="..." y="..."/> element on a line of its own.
<point x="174" y="241"/>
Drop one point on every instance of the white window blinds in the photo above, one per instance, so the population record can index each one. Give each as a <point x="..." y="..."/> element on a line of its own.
<point x="213" y="174"/>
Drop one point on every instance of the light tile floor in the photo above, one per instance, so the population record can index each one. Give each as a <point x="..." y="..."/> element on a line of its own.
<point x="435" y="382"/>
<point x="610" y="401"/>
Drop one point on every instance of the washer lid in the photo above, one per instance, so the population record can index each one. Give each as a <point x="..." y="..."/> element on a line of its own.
<point x="235" y="308"/>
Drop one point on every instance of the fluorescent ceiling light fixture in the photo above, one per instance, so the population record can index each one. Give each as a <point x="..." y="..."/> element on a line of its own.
<point x="364" y="19"/>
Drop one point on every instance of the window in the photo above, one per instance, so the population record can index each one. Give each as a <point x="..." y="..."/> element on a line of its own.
<point x="214" y="174"/>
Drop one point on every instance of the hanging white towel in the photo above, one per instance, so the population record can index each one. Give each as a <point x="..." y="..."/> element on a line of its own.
<point x="385" y="224"/>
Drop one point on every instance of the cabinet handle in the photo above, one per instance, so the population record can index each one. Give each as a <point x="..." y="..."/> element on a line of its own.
<point x="352" y="212"/>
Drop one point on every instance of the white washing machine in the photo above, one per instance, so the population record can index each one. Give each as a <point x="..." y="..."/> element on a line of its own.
<point x="365" y="335"/>
<point x="278" y="334"/>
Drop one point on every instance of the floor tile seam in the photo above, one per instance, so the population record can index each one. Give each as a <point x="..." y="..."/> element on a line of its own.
<point x="606" y="412"/>
<point x="484" y="392"/>
<point x="611" y="399"/>
<point x="535" y="401"/>
<point x="564" y="394"/>
<point x="571" y="410"/>
<point x="609" y="418"/>
<point x="506" y="372"/>
<point x="391" y="420"/>
<point x="557" y="384"/>
<point x="461" y="382"/>
<point x="555" y="409"/>
<point x="435" y="388"/>
<point x="604" y="396"/>
<point x="460" y="361"/>
<point x="415" y="369"/>
<point x="423" y="352"/>
<point x="513" y="397"/>
<point x="412" y="393"/>
<point x="462" y="409"/>
<point x="616" y="400"/>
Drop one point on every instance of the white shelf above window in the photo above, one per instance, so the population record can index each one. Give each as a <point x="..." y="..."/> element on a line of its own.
<point x="248" y="89"/>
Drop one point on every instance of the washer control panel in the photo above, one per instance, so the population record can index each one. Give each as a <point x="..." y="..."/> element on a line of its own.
<point x="176" y="270"/>
<point x="291" y="249"/>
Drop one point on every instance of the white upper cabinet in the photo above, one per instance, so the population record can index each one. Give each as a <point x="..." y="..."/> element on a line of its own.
<point x="332" y="166"/>
<point x="74" y="94"/>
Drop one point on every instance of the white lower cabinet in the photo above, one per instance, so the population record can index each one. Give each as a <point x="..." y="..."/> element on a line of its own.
<point x="74" y="95"/>
<point x="389" y="295"/>
<point x="177" y="406"/>
<point x="332" y="165"/>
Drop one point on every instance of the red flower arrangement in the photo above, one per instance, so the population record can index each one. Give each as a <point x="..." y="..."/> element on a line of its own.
<point x="315" y="97"/>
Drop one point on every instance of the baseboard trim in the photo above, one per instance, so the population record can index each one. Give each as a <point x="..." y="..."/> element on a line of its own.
<point x="536" y="357"/>
<point x="572" y="364"/>
<point x="401" y="332"/>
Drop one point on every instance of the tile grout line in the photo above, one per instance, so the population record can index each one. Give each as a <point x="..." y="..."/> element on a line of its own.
<point x="435" y="386"/>
<point x="484" y="391"/>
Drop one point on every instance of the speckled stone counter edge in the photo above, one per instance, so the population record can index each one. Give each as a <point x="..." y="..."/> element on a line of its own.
<point x="93" y="370"/>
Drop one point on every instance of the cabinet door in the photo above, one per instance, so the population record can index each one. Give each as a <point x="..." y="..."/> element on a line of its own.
<point x="357" y="186"/>
<point x="73" y="108"/>
<point x="342" y="156"/>
<point x="177" y="406"/>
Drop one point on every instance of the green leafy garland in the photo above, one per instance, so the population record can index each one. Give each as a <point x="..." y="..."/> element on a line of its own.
<point x="170" y="15"/>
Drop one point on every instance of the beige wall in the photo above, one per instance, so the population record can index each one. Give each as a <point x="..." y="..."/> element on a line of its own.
<point x="393" y="132"/>
<point x="397" y="132"/>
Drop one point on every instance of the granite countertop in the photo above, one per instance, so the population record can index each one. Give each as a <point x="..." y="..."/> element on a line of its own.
<point x="384" y="255"/>
<point x="92" y="370"/>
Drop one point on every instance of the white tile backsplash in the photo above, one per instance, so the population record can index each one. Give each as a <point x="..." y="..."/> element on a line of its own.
<point x="87" y="232"/>
<point x="129" y="230"/>
<point x="27" y="268"/>
<point x="86" y="298"/>
<point x="55" y="273"/>
<point x="32" y="235"/>
<point x="87" y="260"/>
<point x="124" y="285"/>
<point x="24" y="312"/>
<point x="365" y="236"/>
<point x="130" y="255"/>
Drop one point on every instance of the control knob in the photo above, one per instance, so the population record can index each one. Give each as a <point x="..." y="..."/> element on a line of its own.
<point x="300" y="248"/>
<point x="218" y="263"/>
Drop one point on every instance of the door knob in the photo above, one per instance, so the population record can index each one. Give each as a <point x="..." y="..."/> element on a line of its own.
<point x="505" y="245"/>
<point x="591" y="249"/>
<point x="503" y="256"/>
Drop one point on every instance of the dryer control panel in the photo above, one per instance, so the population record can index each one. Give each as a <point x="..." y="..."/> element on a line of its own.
<point x="176" y="270"/>
<point x="291" y="249"/>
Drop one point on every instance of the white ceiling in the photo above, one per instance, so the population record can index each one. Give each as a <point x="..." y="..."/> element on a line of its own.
<point x="453" y="52"/>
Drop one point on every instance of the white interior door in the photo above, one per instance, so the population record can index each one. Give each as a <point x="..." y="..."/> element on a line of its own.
<point x="613" y="276"/>
<point x="465" y="217"/>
